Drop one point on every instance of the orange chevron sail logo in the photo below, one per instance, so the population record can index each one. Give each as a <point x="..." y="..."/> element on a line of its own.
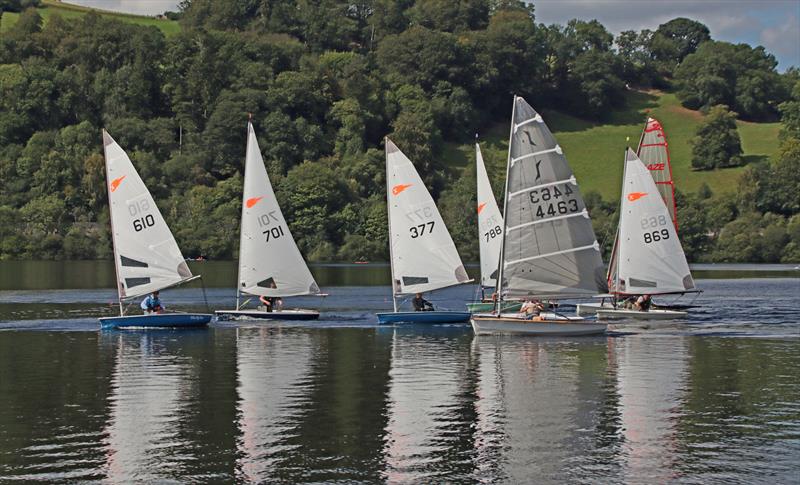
<point x="480" y="207"/>
<point x="634" y="196"/>
<point x="399" y="188"/>
<point x="252" y="201"/>
<point x="115" y="183"/>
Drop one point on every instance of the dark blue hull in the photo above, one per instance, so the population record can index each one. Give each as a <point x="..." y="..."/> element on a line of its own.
<point x="424" y="317"/>
<point x="160" y="320"/>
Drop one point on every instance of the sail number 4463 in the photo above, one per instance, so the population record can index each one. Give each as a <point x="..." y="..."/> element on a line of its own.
<point x="545" y="197"/>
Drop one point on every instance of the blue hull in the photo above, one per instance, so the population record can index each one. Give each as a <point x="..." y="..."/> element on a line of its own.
<point x="423" y="317"/>
<point x="164" y="320"/>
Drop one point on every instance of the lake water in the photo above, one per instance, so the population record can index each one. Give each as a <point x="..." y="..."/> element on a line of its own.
<point x="712" y="399"/>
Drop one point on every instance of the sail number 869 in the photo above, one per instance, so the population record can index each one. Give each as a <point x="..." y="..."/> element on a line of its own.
<point x="656" y="236"/>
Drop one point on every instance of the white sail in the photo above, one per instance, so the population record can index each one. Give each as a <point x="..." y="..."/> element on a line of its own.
<point x="145" y="252"/>
<point x="424" y="257"/>
<point x="549" y="248"/>
<point x="651" y="259"/>
<point x="490" y="225"/>
<point x="270" y="264"/>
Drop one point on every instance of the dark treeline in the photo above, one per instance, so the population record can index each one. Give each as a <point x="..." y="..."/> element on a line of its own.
<point x="325" y="81"/>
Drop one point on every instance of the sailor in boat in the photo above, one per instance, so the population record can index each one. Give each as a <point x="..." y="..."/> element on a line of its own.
<point x="421" y="304"/>
<point x="643" y="303"/>
<point x="531" y="309"/>
<point x="270" y="303"/>
<point x="152" y="304"/>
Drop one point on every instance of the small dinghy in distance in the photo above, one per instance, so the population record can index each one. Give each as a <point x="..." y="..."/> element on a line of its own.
<point x="648" y="258"/>
<point x="146" y="256"/>
<point x="549" y="250"/>
<point x="423" y="255"/>
<point x="270" y="263"/>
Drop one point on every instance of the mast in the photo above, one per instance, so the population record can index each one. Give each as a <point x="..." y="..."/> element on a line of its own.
<point x="241" y="219"/>
<point x="389" y="218"/>
<point x="618" y="240"/>
<point x="505" y="207"/>
<point x="111" y="221"/>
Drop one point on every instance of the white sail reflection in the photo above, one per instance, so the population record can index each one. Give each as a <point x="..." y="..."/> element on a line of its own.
<point x="536" y="413"/>
<point x="272" y="368"/>
<point x="150" y="391"/>
<point x="425" y="382"/>
<point x="651" y="384"/>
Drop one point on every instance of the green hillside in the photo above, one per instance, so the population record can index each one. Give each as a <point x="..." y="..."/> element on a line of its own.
<point x="68" y="10"/>
<point x="595" y="151"/>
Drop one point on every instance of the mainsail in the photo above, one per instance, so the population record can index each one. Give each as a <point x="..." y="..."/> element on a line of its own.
<point x="146" y="255"/>
<point x="490" y="225"/>
<point x="549" y="246"/>
<point x="424" y="257"/>
<point x="651" y="259"/>
<point x="270" y="264"/>
<point x="654" y="153"/>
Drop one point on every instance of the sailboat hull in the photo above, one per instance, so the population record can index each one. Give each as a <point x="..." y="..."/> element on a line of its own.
<point x="488" y="306"/>
<point x="159" y="320"/>
<point x="588" y="309"/>
<point x="653" y="314"/>
<point x="431" y="318"/>
<point x="557" y="327"/>
<point x="298" y="314"/>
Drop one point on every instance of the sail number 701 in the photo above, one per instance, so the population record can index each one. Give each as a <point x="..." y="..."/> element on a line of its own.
<point x="265" y="220"/>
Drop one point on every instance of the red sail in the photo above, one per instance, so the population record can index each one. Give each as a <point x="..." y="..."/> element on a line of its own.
<point x="654" y="153"/>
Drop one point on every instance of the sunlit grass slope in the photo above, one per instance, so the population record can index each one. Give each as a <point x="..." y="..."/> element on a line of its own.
<point x="69" y="11"/>
<point x="595" y="151"/>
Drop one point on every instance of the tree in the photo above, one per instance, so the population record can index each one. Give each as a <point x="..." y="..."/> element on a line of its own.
<point x="739" y="76"/>
<point x="716" y="143"/>
<point x="676" y="39"/>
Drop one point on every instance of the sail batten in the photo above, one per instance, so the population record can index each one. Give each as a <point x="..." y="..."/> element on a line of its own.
<point x="270" y="263"/>
<point x="423" y="255"/>
<point x="549" y="247"/>
<point x="142" y="265"/>
<point x="490" y="224"/>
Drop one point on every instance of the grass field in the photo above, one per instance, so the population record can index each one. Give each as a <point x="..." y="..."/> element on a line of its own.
<point x="70" y="11"/>
<point x="595" y="151"/>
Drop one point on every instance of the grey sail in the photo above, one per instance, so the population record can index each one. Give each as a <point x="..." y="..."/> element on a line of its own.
<point x="550" y="249"/>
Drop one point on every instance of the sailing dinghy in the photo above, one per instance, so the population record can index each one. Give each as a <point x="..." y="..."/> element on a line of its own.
<point x="490" y="231"/>
<point x="549" y="250"/>
<point x="649" y="259"/>
<point x="423" y="255"/>
<point x="270" y="264"/>
<point x="146" y="256"/>
<point x="653" y="151"/>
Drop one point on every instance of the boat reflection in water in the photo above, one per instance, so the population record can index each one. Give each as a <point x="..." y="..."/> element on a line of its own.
<point x="272" y="370"/>
<point x="150" y="390"/>
<point x="538" y="413"/>
<point x="651" y="382"/>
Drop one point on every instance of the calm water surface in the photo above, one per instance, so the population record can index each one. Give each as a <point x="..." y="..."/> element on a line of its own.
<point x="712" y="399"/>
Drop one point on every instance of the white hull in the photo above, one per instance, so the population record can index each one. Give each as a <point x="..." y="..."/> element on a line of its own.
<point x="620" y="314"/>
<point x="589" y="309"/>
<point x="553" y="325"/>
<point x="298" y="314"/>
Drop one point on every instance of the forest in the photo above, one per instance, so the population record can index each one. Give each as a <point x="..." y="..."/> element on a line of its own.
<point x="325" y="81"/>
